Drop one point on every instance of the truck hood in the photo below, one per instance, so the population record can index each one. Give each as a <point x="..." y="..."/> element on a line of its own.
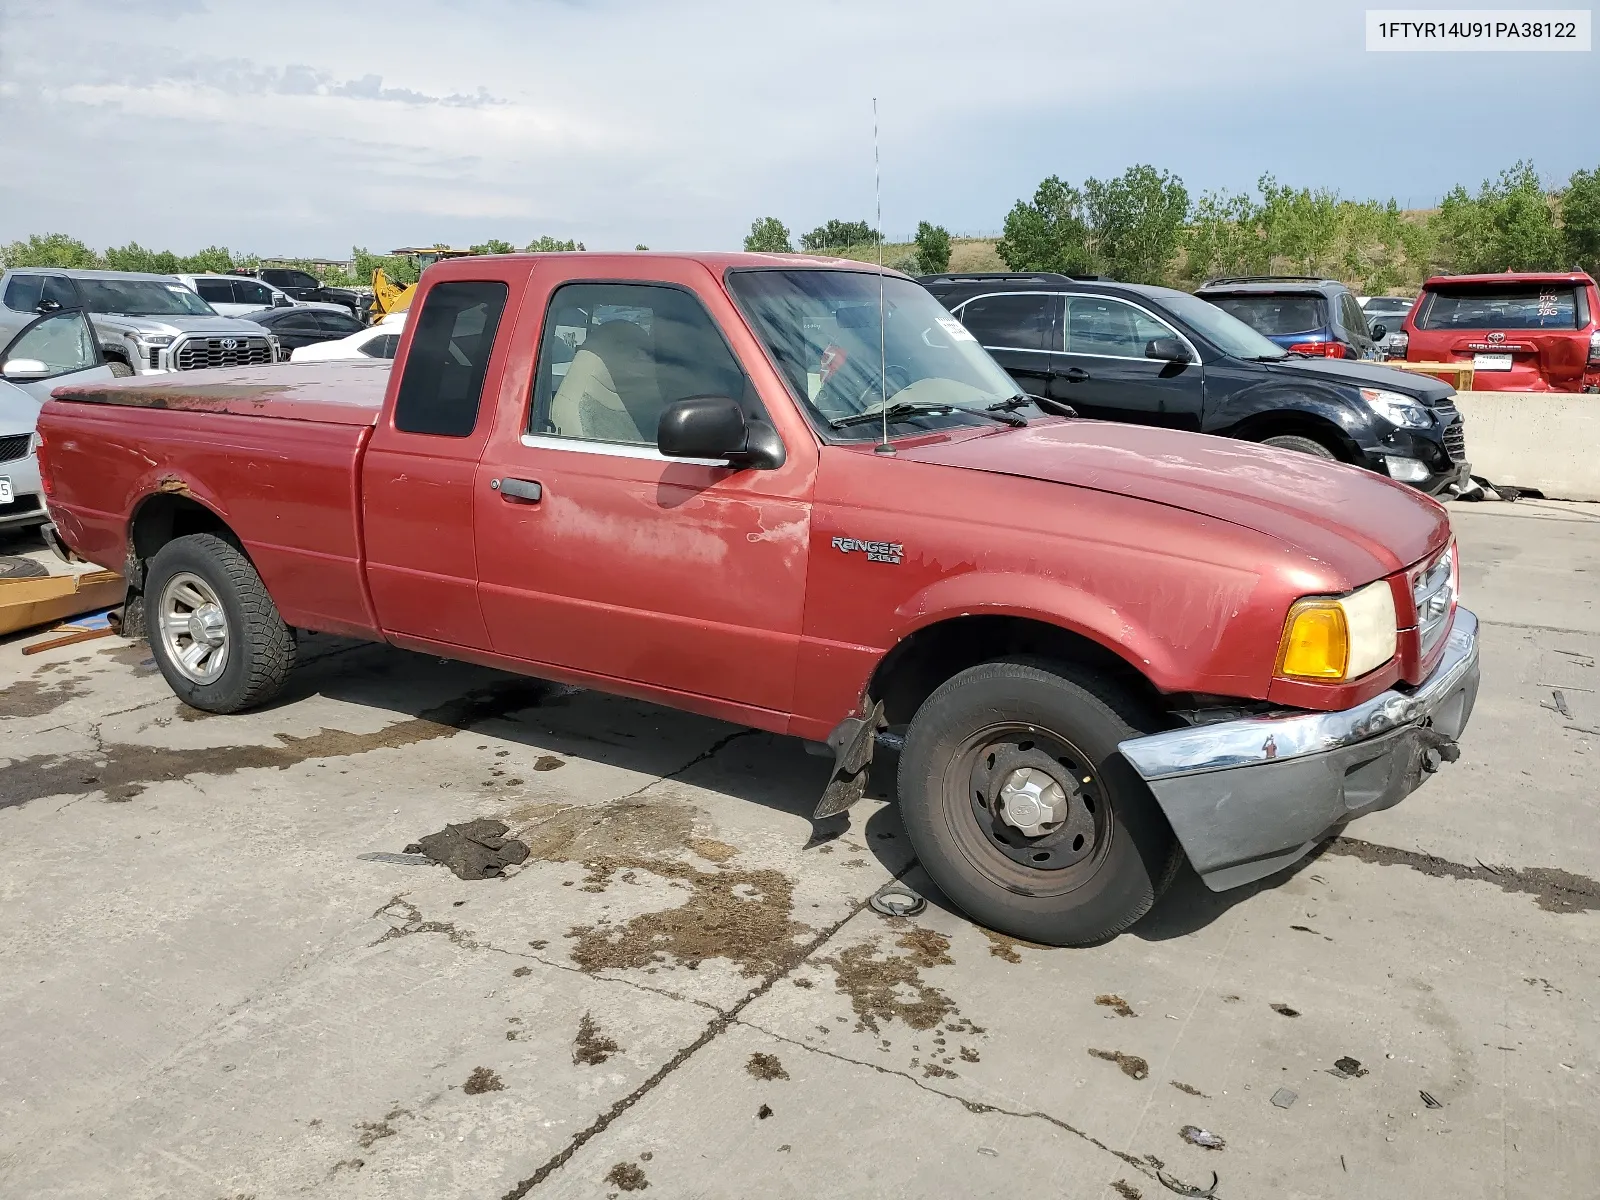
<point x="1362" y="525"/>
<point x="1355" y="374"/>
<point x="172" y="326"/>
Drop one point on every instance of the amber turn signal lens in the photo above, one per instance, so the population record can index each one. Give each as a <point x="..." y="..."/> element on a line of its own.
<point x="1316" y="641"/>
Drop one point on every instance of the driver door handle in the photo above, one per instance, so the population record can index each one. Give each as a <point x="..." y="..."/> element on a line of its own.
<point x="526" y="491"/>
<point x="1073" y="375"/>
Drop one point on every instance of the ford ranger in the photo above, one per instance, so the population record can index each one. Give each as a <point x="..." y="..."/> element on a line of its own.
<point x="795" y="494"/>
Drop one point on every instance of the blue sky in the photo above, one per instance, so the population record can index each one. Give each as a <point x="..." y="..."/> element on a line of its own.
<point x="306" y="126"/>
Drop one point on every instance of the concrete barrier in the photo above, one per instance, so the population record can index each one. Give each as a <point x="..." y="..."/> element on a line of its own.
<point x="1544" y="440"/>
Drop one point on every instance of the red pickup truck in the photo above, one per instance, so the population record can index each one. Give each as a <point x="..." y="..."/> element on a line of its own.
<point x="797" y="495"/>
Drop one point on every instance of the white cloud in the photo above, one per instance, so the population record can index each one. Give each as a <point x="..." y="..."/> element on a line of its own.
<point x="307" y="126"/>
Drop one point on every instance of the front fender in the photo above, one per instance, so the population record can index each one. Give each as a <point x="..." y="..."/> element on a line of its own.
<point x="1049" y="601"/>
<point x="1317" y="401"/>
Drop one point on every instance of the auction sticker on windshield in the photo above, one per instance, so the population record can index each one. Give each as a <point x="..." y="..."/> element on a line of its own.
<point x="1491" y="362"/>
<point x="956" y="330"/>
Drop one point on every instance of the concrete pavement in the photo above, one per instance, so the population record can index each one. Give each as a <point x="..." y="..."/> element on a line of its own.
<point x="222" y="978"/>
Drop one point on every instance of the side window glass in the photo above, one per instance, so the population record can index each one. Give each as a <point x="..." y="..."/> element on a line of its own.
<point x="1018" y="322"/>
<point x="1107" y="327"/>
<point x="338" y="323"/>
<point x="443" y="381"/>
<point x="214" y="291"/>
<point x="248" y="291"/>
<point x="55" y="345"/>
<point x="382" y="346"/>
<point x="24" y="292"/>
<point x="300" y="279"/>
<point x="1354" y="317"/>
<point x="59" y="290"/>
<point x="613" y="356"/>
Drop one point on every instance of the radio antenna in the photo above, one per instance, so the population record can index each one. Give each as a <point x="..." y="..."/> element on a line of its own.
<point x="883" y="446"/>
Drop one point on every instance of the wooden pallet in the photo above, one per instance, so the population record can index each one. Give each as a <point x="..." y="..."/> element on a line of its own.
<point x="25" y="603"/>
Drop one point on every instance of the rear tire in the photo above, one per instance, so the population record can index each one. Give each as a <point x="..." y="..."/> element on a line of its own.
<point x="119" y="369"/>
<point x="1086" y="879"/>
<point x="1300" y="445"/>
<point x="214" y="630"/>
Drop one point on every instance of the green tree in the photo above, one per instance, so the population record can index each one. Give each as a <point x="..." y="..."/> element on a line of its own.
<point x="839" y="235"/>
<point x="933" y="248"/>
<point x="768" y="236"/>
<point x="1136" y="223"/>
<point x="640" y="246"/>
<point x="49" y="250"/>
<point x="1049" y="234"/>
<point x="1580" y="221"/>
<point x="1224" y="237"/>
<point x="550" y="245"/>
<point x="1508" y="226"/>
<point x="1301" y="227"/>
<point x="494" y="246"/>
<point x="401" y="270"/>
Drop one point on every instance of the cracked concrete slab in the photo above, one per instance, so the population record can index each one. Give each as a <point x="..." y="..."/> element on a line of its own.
<point x="222" y="976"/>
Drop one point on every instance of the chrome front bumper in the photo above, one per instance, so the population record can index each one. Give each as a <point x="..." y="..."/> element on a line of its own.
<point x="1249" y="797"/>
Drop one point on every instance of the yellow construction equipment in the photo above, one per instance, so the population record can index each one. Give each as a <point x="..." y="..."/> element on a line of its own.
<point x="388" y="296"/>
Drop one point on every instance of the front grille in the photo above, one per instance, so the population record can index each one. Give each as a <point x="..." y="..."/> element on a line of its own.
<point x="155" y="358"/>
<point x="1434" y="596"/>
<point x="14" y="447"/>
<point x="1455" y="440"/>
<point x="194" y="353"/>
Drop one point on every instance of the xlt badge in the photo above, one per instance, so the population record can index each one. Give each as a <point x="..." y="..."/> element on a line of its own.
<point x="884" y="552"/>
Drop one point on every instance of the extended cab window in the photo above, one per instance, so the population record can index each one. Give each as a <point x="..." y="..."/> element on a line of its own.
<point x="444" y="372"/>
<point x="1013" y="322"/>
<point x="1107" y="327"/>
<point x="1500" y="306"/>
<point x="615" y="354"/>
<point x="215" y="291"/>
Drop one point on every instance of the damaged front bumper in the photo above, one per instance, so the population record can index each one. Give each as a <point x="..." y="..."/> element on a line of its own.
<point x="1249" y="797"/>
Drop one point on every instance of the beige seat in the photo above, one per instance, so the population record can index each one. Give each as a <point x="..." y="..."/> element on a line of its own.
<point x="610" y="392"/>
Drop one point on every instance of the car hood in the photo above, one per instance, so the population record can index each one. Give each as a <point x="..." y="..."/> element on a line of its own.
<point x="19" y="412"/>
<point x="176" y="325"/>
<point x="1362" y="525"/>
<point x="1353" y="373"/>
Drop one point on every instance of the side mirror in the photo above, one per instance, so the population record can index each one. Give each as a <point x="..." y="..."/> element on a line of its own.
<point x="1166" y="349"/>
<point x="48" y="306"/>
<point x="279" y="300"/>
<point x="1379" y="332"/>
<point x="715" y="427"/>
<point x="25" y="368"/>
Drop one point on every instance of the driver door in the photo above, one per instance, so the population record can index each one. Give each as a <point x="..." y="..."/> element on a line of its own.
<point x="57" y="348"/>
<point x="597" y="553"/>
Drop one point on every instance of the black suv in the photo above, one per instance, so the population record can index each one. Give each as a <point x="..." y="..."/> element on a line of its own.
<point x="1154" y="356"/>
<point x="1301" y="313"/>
<point x="305" y="286"/>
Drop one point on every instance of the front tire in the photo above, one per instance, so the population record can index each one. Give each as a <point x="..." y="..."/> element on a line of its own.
<point x="215" y="632"/>
<point x="1300" y="445"/>
<point x="1021" y="808"/>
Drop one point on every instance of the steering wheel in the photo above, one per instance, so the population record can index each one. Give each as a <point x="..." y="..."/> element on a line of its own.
<point x="895" y="377"/>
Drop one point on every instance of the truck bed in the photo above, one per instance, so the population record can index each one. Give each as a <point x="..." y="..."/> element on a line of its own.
<point x="335" y="393"/>
<point x="274" y="452"/>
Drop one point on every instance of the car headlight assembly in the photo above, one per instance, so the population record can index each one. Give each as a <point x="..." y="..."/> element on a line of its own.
<point x="1397" y="409"/>
<point x="155" y="339"/>
<point x="1333" y="639"/>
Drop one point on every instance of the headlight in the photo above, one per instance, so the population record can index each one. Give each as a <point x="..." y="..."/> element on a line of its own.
<point x="1397" y="409"/>
<point x="155" y="339"/>
<point x="1334" y="639"/>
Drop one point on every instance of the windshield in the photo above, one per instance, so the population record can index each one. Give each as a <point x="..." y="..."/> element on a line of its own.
<point x="142" y="298"/>
<point x="1502" y="306"/>
<point x="1224" y="331"/>
<point x="822" y="330"/>
<point x="1390" y="312"/>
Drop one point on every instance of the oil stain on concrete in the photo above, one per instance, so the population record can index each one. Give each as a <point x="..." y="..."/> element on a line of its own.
<point x="122" y="770"/>
<point x="591" y="1046"/>
<point x="890" y="987"/>
<point x="35" y="697"/>
<point x="1132" y="1065"/>
<point x="742" y="916"/>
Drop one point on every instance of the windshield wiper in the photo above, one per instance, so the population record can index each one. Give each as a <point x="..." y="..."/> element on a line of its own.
<point x="1042" y="403"/>
<point x="907" y="409"/>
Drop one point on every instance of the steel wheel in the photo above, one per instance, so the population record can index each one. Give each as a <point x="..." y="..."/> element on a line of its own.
<point x="193" y="628"/>
<point x="1040" y="817"/>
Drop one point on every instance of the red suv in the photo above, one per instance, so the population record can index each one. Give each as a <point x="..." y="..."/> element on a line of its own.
<point x="1530" y="332"/>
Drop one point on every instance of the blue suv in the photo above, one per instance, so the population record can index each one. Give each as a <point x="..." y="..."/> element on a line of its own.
<point x="1301" y="313"/>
